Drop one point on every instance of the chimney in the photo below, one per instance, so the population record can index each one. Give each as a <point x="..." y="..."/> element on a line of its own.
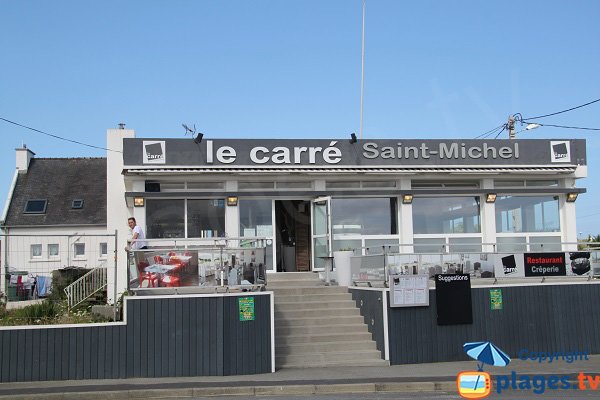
<point x="24" y="156"/>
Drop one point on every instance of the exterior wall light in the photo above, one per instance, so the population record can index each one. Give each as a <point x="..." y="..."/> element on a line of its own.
<point x="232" y="201"/>
<point x="490" y="197"/>
<point x="407" y="199"/>
<point x="571" y="197"/>
<point x="138" y="202"/>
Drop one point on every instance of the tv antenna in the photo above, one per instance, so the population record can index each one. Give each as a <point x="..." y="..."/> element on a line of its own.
<point x="189" y="130"/>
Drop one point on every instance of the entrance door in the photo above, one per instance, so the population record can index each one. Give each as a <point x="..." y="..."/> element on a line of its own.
<point x="293" y="235"/>
<point x="321" y="231"/>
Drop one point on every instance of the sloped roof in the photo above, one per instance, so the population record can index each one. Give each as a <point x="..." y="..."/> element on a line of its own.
<point x="60" y="181"/>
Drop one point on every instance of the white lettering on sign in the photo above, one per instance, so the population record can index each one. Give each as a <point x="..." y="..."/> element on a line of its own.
<point x="445" y="151"/>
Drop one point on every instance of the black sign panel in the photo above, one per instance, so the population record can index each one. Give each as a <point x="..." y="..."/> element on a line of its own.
<point x="453" y="299"/>
<point x="544" y="264"/>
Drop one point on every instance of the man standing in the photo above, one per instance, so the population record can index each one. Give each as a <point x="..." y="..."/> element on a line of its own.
<point x="138" y="235"/>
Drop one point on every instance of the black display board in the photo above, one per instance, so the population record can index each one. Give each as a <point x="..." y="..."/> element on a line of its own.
<point x="544" y="264"/>
<point x="453" y="299"/>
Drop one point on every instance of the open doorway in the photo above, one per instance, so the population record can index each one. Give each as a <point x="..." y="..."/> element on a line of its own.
<point x="292" y="233"/>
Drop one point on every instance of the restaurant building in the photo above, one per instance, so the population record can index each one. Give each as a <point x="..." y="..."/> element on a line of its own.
<point x="312" y="196"/>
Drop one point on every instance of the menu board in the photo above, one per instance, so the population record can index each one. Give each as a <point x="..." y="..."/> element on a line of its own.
<point x="409" y="290"/>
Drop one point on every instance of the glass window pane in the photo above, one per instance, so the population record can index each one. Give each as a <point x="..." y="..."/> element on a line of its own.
<point x="446" y="215"/>
<point x="375" y="246"/>
<point x="379" y="184"/>
<point x="36" y="250"/>
<point x="165" y="219"/>
<point x="79" y="249"/>
<point x="255" y="218"/>
<point x="347" y="244"/>
<point x="320" y="219"/>
<point x="544" y="243"/>
<point x="320" y="249"/>
<point x="368" y="216"/>
<point x="103" y="249"/>
<point x="205" y="185"/>
<point x="206" y="218"/>
<point x="541" y="182"/>
<point x="527" y="214"/>
<point x="429" y="245"/>
<point x="294" y="185"/>
<point x="53" y="250"/>
<point x="171" y="186"/>
<point x="255" y="185"/>
<point x="342" y="184"/>
<point x="464" y="245"/>
<point x="511" y="245"/>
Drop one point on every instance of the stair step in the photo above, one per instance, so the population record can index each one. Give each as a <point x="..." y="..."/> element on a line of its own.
<point x="316" y="290"/>
<point x="309" y="364"/>
<point x="320" y="321"/>
<point x="319" y="329"/>
<point x="283" y="315"/>
<point x="323" y="347"/>
<point x="323" y="337"/>
<point x="301" y="304"/>
<point x="290" y="276"/>
<point x="355" y="356"/>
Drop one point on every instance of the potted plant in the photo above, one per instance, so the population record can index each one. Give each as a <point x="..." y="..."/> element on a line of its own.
<point x="341" y="263"/>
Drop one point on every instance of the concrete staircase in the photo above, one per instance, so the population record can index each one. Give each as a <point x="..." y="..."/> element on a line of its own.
<point x="318" y="325"/>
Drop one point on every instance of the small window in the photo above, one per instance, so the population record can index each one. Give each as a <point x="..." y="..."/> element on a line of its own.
<point x="379" y="184"/>
<point x="205" y="185"/>
<point x="342" y="184"/>
<point x="36" y="206"/>
<point x="294" y="185"/>
<point x="53" y="250"/>
<point x="36" y="251"/>
<point x="103" y="249"/>
<point x="77" y="204"/>
<point x="256" y="185"/>
<point x="79" y="249"/>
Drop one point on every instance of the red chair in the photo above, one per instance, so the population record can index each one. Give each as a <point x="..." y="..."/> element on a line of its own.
<point x="151" y="277"/>
<point x="170" y="281"/>
<point x="158" y="260"/>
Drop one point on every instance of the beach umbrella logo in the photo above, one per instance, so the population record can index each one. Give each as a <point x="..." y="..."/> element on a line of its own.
<point x="486" y="353"/>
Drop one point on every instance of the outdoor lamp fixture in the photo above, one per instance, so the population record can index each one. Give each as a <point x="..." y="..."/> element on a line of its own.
<point x="353" y="138"/>
<point x="232" y="201"/>
<point x="571" y="197"/>
<point x="532" y="126"/>
<point x="490" y="197"/>
<point x="198" y="137"/>
<point x="138" y="202"/>
<point x="407" y="199"/>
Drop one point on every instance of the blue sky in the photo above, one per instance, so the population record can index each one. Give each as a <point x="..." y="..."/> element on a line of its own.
<point x="291" y="69"/>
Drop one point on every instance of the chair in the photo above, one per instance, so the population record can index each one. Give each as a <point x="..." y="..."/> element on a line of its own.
<point x="151" y="277"/>
<point x="159" y="260"/>
<point x="170" y="281"/>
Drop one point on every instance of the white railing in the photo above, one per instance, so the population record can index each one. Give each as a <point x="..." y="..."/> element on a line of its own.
<point x="86" y="286"/>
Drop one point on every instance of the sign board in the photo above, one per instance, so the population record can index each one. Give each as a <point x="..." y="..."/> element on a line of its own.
<point x="409" y="290"/>
<point x="453" y="299"/>
<point x="246" y="308"/>
<point x="544" y="264"/>
<point x="496" y="299"/>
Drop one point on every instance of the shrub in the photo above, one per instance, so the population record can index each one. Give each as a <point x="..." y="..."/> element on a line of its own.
<point x="34" y="314"/>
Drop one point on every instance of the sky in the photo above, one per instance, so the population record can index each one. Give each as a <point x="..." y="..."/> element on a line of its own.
<point x="292" y="69"/>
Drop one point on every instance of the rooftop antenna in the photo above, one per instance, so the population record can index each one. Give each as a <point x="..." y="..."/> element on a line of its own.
<point x="362" y="75"/>
<point x="189" y="130"/>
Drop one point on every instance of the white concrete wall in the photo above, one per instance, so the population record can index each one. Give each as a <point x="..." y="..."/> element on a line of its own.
<point x="117" y="211"/>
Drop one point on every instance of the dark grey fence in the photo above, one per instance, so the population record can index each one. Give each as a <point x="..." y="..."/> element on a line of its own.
<point x="370" y="303"/>
<point x="167" y="336"/>
<point x="539" y="318"/>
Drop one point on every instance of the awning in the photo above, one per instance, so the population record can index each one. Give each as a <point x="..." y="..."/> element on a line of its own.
<point x="545" y="170"/>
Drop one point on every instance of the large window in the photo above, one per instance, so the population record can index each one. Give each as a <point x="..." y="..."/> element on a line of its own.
<point x="527" y="214"/>
<point x="435" y="215"/>
<point x="364" y="216"/>
<point x="256" y="218"/>
<point x="206" y="218"/>
<point x="165" y="218"/>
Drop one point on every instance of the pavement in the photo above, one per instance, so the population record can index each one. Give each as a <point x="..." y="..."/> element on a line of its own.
<point x="292" y="381"/>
